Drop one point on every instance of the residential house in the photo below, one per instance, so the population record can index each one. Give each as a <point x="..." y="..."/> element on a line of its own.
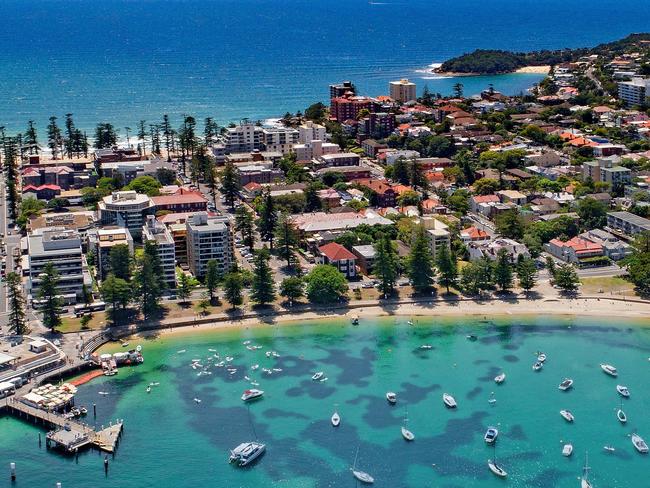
<point x="339" y="257"/>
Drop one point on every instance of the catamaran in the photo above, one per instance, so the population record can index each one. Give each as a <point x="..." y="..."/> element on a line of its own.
<point x="246" y="452"/>
<point x="609" y="369"/>
<point x="360" y="475"/>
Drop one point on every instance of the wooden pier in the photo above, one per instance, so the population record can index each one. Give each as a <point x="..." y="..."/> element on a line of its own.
<point x="69" y="434"/>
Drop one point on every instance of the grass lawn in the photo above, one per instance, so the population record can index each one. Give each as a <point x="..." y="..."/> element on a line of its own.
<point x="607" y="285"/>
<point x="73" y="324"/>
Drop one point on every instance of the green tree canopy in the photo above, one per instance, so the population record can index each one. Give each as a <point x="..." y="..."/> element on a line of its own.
<point x="147" y="185"/>
<point x="420" y="262"/>
<point x="325" y="284"/>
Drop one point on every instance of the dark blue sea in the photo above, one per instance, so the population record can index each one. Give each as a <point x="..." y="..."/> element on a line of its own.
<point x="124" y="60"/>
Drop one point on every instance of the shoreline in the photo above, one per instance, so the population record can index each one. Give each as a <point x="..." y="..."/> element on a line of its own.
<point x="542" y="70"/>
<point x="595" y="307"/>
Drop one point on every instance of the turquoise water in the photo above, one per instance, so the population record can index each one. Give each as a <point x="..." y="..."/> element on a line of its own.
<point x="172" y="441"/>
<point x="121" y="61"/>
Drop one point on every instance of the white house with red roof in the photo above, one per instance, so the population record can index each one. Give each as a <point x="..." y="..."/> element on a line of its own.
<point x="339" y="257"/>
<point x="574" y="250"/>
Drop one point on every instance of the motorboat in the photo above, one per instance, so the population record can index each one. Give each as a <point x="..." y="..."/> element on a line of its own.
<point x="491" y="435"/>
<point x="355" y="320"/>
<point x="541" y="357"/>
<point x="538" y="365"/>
<point x="500" y="378"/>
<point x="360" y="475"/>
<point x="251" y="394"/>
<point x="609" y="369"/>
<point x="410" y="322"/>
<point x="568" y="416"/>
<point x="567" y="450"/>
<point x="197" y="400"/>
<point x="391" y="397"/>
<point x="407" y="434"/>
<point x="609" y="448"/>
<point x="148" y="389"/>
<point x="639" y="444"/>
<point x="620" y="415"/>
<point x="449" y="400"/>
<point x="103" y="393"/>
<point x="623" y="391"/>
<point x="317" y="376"/>
<point x="83" y="410"/>
<point x="426" y="346"/>
<point x="496" y="469"/>
<point x="336" y="419"/>
<point x="246" y="452"/>
<point x="566" y="384"/>
<point x="472" y="337"/>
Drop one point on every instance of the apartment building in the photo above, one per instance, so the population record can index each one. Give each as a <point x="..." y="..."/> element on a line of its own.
<point x="126" y="209"/>
<point x="208" y="238"/>
<point x="314" y="149"/>
<point x="100" y="243"/>
<point x="159" y="233"/>
<point x="280" y="139"/>
<point x="606" y="170"/>
<point x="311" y="131"/>
<point x="62" y="248"/>
<point x="342" y="89"/>
<point x="627" y="223"/>
<point x="245" y="137"/>
<point x="635" y="91"/>
<point x="402" y="91"/>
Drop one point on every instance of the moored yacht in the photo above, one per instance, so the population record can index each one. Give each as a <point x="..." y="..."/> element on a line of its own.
<point x="336" y="419"/>
<point x="449" y="400"/>
<point x="567" y="450"/>
<point x="623" y="391"/>
<point x="500" y="378"/>
<point x="639" y="444"/>
<point x="609" y="369"/>
<point x="491" y="435"/>
<point x="317" y="376"/>
<point x="568" y="416"/>
<point x="496" y="469"/>
<point x="391" y="397"/>
<point x="538" y="365"/>
<point x="566" y="384"/>
<point x="246" y="452"/>
<point x="541" y="357"/>
<point x="251" y="394"/>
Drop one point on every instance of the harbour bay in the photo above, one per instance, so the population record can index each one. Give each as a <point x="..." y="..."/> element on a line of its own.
<point x="169" y="436"/>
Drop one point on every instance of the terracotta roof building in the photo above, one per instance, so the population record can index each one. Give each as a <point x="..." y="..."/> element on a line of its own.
<point x="339" y="257"/>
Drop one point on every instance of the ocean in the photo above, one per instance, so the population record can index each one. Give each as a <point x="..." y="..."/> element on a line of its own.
<point x="121" y="61"/>
<point x="172" y="441"/>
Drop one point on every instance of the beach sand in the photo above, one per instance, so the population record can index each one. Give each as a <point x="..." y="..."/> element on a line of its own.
<point x="601" y="307"/>
<point x="534" y="69"/>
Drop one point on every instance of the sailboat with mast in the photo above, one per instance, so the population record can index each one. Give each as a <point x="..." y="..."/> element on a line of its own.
<point x="620" y="414"/>
<point x="247" y="452"/>
<point x="584" y="482"/>
<point x="361" y="475"/>
<point x="407" y="434"/>
<point x="494" y="466"/>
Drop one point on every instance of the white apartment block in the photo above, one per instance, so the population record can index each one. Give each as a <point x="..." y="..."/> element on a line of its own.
<point x="439" y="236"/>
<point x="310" y="131"/>
<point x="243" y="138"/>
<point x="101" y="241"/>
<point x="62" y="248"/>
<point x="634" y="92"/>
<point x="126" y="209"/>
<point x="402" y="91"/>
<point x="314" y="149"/>
<point x="280" y="139"/>
<point x="160" y="234"/>
<point x="208" y="238"/>
<point x="606" y="170"/>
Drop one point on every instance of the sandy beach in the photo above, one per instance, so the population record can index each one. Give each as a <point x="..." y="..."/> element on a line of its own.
<point x="534" y="69"/>
<point x="600" y="307"/>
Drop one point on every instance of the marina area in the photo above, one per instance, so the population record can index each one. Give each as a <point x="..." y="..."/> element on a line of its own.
<point x="192" y="383"/>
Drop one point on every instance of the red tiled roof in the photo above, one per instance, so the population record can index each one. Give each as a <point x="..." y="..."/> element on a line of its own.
<point x="579" y="245"/>
<point x="475" y="233"/>
<point x="42" y="187"/>
<point x="335" y="252"/>
<point x="252" y="186"/>
<point x="486" y="198"/>
<point x="179" y="198"/>
<point x="377" y="186"/>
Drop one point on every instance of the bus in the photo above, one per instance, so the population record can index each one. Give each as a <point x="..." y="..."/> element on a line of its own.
<point x="80" y="310"/>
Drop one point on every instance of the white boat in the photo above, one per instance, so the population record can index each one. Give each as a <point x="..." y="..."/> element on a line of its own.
<point x="584" y="483"/>
<point x="609" y="369"/>
<point x="360" y="475"/>
<point x="496" y="469"/>
<point x="567" y="450"/>
<point x="566" y="384"/>
<point x="197" y="400"/>
<point x="491" y="435"/>
<point x="407" y="434"/>
<point x="541" y="357"/>
<point x="568" y="416"/>
<point x="391" y="397"/>
<point x="426" y="346"/>
<point x="609" y="448"/>
<point x="336" y="419"/>
<point x="148" y="389"/>
<point x="623" y="391"/>
<point x="449" y="400"/>
<point x="538" y="366"/>
<point x="620" y="414"/>
<point x="103" y="392"/>
<point x="246" y="452"/>
<point x="182" y="351"/>
<point x="639" y="444"/>
<point x="355" y="320"/>
<point x="251" y="394"/>
<point x="500" y="378"/>
<point x="255" y="366"/>
<point x="317" y="376"/>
